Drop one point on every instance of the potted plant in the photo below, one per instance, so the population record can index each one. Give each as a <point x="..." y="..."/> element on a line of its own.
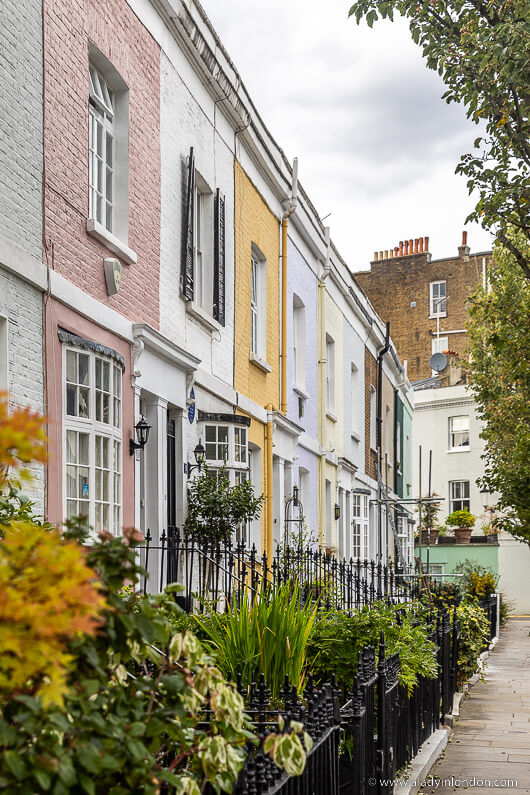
<point x="463" y="522"/>
<point x="445" y="534"/>
<point x="430" y="511"/>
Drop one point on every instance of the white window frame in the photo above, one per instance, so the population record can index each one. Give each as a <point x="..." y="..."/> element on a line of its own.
<point x="238" y="452"/>
<point x="95" y="430"/>
<point x="459" y="503"/>
<point x="203" y="226"/>
<point x="355" y="402"/>
<point x="439" y="344"/>
<point x="459" y="439"/>
<point x="437" y="308"/>
<point x="360" y="507"/>
<point x="330" y="374"/>
<point x="299" y="347"/>
<point x="109" y="106"/>
<point x="102" y="157"/>
<point x="258" y="304"/>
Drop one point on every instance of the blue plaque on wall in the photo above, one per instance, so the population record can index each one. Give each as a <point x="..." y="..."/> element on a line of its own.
<point x="191" y="407"/>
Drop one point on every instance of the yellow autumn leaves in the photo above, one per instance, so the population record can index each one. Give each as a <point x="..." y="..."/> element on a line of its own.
<point x="47" y="592"/>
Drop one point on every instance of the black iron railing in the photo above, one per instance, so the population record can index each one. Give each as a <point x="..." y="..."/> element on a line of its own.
<point x="379" y="724"/>
<point x="490" y="606"/>
<point x="226" y="571"/>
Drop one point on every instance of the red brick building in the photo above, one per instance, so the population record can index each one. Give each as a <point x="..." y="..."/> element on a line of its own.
<point x="415" y="293"/>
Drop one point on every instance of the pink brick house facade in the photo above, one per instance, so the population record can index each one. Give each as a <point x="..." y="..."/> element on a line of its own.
<point x="90" y="399"/>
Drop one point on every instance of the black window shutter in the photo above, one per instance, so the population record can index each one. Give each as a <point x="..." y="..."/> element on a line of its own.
<point x="219" y="259"/>
<point x="186" y="275"/>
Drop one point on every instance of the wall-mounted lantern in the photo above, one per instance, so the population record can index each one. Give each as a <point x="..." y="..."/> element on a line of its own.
<point x="200" y="456"/>
<point x="141" y="430"/>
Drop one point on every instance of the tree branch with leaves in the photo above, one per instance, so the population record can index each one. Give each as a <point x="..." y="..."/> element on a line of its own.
<point x="481" y="50"/>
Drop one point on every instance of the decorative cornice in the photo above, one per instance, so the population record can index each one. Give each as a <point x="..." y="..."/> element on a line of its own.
<point x="235" y="419"/>
<point x="89" y="345"/>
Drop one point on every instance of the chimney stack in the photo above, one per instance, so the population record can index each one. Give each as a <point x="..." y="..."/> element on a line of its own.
<point x="463" y="250"/>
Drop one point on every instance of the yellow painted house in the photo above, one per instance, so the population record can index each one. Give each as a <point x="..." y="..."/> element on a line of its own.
<point x="257" y="331"/>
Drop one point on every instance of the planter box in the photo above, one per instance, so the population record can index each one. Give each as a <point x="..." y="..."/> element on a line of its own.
<point x="446" y="540"/>
<point x="491" y="539"/>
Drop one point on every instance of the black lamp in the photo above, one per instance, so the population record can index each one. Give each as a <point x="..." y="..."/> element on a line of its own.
<point x="200" y="456"/>
<point x="142" y="430"/>
<point x="485" y="494"/>
<point x="295" y="495"/>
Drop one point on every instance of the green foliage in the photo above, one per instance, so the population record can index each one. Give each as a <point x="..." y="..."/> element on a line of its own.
<point x="461" y="519"/>
<point x="268" y="636"/>
<point x="482" y="53"/>
<point x="338" y="638"/>
<point x="122" y="716"/>
<point x="477" y="580"/>
<point x="474" y="637"/>
<point x="429" y="512"/>
<point x="289" y="749"/>
<point x="499" y="375"/>
<point x="216" y="509"/>
<point x="506" y="607"/>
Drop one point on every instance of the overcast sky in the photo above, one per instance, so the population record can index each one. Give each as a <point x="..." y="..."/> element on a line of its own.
<point x="377" y="146"/>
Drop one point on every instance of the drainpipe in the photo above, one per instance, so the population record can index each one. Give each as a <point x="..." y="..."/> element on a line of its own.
<point x="269" y="504"/>
<point x="285" y="224"/>
<point x="379" y="427"/>
<point x="321" y="392"/>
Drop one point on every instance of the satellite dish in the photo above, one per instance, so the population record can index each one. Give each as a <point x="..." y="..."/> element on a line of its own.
<point x="438" y="362"/>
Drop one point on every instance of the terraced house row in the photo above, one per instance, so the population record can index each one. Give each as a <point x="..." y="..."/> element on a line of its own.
<point x="160" y="260"/>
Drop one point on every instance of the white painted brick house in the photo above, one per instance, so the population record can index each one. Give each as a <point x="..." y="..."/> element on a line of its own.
<point x="21" y="277"/>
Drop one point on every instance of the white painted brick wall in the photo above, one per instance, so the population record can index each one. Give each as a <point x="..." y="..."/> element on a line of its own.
<point x="21" y="123"/>
<point x="21" y="304"/>
<point x="184" y="124"/>
<point x="20" y="202"/>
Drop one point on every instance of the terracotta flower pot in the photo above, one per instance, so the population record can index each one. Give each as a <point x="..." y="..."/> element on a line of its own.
<point x="463" y="534"/>
<point x="434" y="536"/>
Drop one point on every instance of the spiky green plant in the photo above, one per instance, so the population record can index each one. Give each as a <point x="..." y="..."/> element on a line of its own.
<point x="268" y="636"/>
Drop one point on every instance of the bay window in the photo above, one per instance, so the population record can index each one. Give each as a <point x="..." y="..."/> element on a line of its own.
<point x="92" y="438"/>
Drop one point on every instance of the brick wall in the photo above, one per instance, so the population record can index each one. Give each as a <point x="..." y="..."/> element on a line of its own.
<point x="111" y="25"/>
<point x="370" y="379"/>
<point x="21" y="310"/>
<point x="21" y="209"/>
<point x="21" y="124"/>
<point x="255" y="223"/>
<point x="184" y="124"/>
<point x="393" y="284"/>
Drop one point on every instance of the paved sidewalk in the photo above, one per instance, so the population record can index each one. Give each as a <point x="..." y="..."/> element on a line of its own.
<point x="491" y="739"/>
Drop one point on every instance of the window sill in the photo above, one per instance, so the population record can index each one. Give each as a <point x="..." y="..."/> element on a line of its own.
<point x="200" y="314"/>
<point x="259" y="362"/>
<point x="435" y="317"/>
<point x="301" y="392"/>
<point x="355" y="436"/>
<point x="459" y="450"/>
<point x="97" y="230"/>
<point x="331" y="416"/>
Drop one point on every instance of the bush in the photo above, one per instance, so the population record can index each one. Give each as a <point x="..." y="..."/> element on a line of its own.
<point x="477" y="581"/>
<point x="268" y="636"/>
<point x="338" y="638"/>
<point x="461" y="519"/>
<point x="112" y="711"/>
<point x="474" y="637"/>
<point x="216" y="509"/>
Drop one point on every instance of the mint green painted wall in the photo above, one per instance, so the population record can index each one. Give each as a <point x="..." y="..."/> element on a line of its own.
<point x="451" y="555"/>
